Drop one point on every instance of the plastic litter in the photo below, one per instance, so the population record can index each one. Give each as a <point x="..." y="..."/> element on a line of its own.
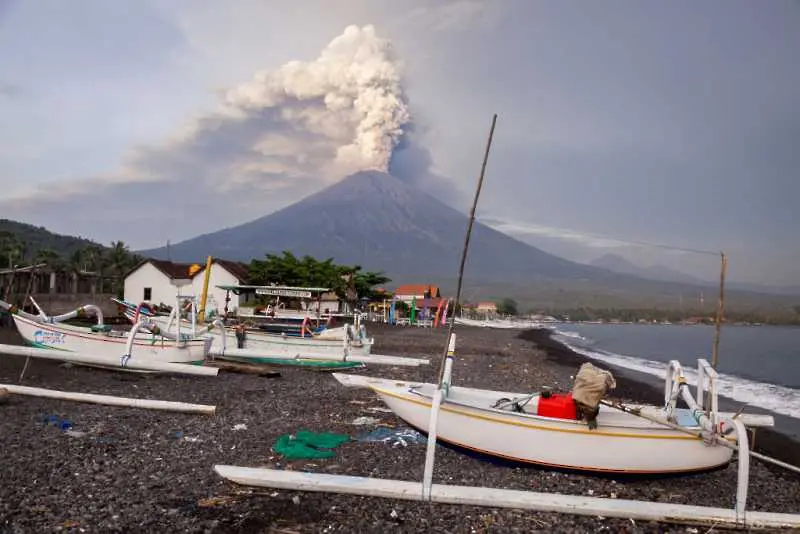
<point x="360" y="421"/>
<point x="395" y="436"/>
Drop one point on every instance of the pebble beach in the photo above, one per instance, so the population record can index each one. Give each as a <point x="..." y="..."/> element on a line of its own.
<point x="75" y="467"/>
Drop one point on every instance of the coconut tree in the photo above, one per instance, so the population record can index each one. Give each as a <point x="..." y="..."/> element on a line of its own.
<point x="119" y="260"/>
<point x="95" y="259"/>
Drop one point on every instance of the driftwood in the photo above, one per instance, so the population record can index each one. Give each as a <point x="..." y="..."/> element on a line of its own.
<point x="235" y="367"/>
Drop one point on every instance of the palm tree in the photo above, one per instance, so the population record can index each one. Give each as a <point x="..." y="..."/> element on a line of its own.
<point x="76" y="265"/>
<point x="53" y="263"/>
<point x="120" y="260"/>
<point x="96" y="261"/>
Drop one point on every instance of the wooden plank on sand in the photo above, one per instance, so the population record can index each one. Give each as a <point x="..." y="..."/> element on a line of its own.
<point x="235" y="367"/>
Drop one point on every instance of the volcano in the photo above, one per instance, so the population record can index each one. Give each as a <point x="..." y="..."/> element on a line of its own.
<point x="376" y="220"/>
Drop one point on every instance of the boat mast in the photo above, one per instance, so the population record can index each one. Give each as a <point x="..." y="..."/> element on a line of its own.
<point x="720" y="308"/>
<point x="466" y="245"/>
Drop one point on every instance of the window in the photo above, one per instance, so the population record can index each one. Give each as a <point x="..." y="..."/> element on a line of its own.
<point x="148" y="293"/>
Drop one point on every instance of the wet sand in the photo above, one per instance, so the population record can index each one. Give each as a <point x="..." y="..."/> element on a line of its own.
<point x="131" y="470"/>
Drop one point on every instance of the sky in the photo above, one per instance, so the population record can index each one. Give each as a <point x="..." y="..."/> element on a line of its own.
<point x="674" y="123"/>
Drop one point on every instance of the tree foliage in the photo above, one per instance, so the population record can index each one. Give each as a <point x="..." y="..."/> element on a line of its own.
<point x="348" y="282"/>
<point x="63" y="254"/>
<point x="507" y="306"/>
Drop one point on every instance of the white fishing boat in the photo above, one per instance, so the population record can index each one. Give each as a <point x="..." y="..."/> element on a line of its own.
<point x="481" y="421"/>
<point x="109" y="345"/>
<point x="329" y="341"/>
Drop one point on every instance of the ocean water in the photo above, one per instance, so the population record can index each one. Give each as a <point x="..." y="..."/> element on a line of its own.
<point x="758" y="365"/>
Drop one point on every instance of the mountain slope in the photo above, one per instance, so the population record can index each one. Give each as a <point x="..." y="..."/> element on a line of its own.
<point x="37" y="238"/>
<point x="621" y="265"/>
<point x="377" y="221"/>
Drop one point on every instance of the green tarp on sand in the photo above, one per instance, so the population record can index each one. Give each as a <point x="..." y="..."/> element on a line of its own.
<point x="307" y="445"/>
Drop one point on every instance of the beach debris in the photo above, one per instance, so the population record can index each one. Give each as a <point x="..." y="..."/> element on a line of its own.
<point x="395" y="436"/>
<point x="361" y="421"/>
<point x="55" y="420"/>
<point x="379" y="409"/>
<point x="219" y="500"/>
<point x="239" y="426"/>
<point x="307" y="445"/>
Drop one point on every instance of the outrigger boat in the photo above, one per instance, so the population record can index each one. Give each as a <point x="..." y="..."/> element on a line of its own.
<point x="628" y="439"/>
<point x="532" y="428"/>
<point x="272" y="353"/>
<point x="100" y="346"/>
<point x="308" y="340"/>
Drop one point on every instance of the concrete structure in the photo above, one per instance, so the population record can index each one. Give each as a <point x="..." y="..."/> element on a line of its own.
<point x="152" y="281"/>
<point x="57" y="291"/>
<point x="408" y="292"/>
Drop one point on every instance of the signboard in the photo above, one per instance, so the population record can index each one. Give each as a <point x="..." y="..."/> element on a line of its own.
<point x="296" y="293"/>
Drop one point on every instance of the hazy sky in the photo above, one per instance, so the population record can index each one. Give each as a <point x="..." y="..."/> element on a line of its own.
<point x="669" y="122"/>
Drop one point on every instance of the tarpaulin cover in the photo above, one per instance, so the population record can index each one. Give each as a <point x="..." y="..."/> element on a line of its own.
<point x="591" y="385"/>
<point x="306" y="445"/>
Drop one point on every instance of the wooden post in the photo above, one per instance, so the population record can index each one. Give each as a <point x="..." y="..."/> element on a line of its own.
<point x="720" y="308"/>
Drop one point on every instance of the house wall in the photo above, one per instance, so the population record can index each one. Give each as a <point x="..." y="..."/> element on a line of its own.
<point x="216" y="296"/>
<point x="163" y="292"/>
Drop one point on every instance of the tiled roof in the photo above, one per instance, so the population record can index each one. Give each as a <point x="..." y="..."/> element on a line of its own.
<point x="417" y="289"/>
<point x="182" y="270"/>
<point x="236" y="268"/>
<point x="172" y="270"/>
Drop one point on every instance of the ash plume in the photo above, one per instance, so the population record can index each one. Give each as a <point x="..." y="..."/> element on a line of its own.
<point x="349" y="100"/>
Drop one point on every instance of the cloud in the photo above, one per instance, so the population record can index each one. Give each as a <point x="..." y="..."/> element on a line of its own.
<point x="530" y="229"/>
<point x="272" y="140"/>
<point x="9" y="90"/>
<point x="449" y="15"/>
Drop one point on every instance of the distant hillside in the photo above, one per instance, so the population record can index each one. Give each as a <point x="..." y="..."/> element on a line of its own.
<point x="379" y="222"/>
<point x="37" y="238"/>
<point x="619" y="264"/>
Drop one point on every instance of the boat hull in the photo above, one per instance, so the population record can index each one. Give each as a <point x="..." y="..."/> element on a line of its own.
<point x="622" y="443"/>
<point x="68" y="339"/>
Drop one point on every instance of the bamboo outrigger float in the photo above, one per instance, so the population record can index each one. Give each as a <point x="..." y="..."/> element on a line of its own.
<point x="110" y="400"/>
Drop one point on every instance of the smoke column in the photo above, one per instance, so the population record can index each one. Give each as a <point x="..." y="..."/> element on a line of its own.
<point x="350" y="96"/>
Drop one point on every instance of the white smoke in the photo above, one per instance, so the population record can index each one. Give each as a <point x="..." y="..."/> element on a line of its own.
<point x="349" y="100"/>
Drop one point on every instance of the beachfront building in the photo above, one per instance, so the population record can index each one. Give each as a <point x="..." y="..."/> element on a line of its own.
<point x="425" y="298"/>
<point x="483" y="310"/>
<point x="154" y="282"/>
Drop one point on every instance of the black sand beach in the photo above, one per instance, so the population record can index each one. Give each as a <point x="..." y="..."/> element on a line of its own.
<point x="132" y="470"/>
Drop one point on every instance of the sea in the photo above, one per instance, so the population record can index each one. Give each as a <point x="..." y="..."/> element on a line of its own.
<point x="758" y="365"/>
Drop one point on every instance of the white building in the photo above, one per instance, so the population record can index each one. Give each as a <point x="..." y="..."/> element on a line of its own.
<point x="152" y="281"/>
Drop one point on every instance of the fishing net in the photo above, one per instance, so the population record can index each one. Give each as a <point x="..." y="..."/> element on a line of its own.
<point x="307" y="445"/>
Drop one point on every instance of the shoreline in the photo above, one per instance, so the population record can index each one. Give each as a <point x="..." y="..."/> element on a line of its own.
<point x="639" y="387"/>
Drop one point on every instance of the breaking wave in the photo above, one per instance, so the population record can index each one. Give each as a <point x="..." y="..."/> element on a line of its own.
<point x="779" y="399"/>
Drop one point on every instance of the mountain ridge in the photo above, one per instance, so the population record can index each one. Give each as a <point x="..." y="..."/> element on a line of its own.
<point x="376" y="220"/>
